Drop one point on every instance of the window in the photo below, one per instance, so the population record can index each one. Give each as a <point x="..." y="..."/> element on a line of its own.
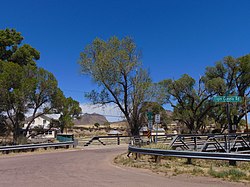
<point x="44" y="121"/>
<point x="50" y="132"/>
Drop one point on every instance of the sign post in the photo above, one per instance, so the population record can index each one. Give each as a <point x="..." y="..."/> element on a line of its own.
<point x="227" y="99"/>
<point x="150" y="124"/>
<point x="157" y="121"/>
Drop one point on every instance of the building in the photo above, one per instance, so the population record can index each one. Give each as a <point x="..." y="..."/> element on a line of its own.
<point x="42" y="126"/>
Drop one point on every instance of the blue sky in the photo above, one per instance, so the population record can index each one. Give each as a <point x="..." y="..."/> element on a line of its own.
<point x="175" y="37"/>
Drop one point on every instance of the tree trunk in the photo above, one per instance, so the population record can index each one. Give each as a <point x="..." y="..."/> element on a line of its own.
<point x="16" y="133"/>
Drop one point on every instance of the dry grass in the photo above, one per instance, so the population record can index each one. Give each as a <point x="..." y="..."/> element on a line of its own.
<point x="171" y="166"/>
<point x="36" y="151"/>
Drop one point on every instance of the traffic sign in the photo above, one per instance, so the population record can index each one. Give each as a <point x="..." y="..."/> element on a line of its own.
<point x="149" y="115"/>
<point x="227" y="99"/>
<point x="149" y="133"/>
<point x="157" y="118"/>
<point x="150" y="124"/>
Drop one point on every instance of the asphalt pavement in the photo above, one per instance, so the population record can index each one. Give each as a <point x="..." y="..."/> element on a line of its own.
<point x="88" y="167"/>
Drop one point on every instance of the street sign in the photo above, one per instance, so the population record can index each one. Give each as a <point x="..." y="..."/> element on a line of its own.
<point x="150" y="124"/>
<point x="149" y="115"/>
<point x="157" y="118"/>
<point x="227" y="99"/>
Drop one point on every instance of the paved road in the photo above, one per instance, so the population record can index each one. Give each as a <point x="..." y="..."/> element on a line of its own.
<point x="89" y="167"/>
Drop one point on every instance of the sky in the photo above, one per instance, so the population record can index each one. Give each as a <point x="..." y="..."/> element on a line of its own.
<point x="175" y="36"/>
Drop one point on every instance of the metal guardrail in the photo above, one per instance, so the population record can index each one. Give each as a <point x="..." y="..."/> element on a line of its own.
<point x="190" y="154"/>
<point x="35" y="146"/>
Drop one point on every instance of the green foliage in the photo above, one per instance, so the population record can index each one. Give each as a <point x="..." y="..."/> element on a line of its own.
<point x="192" y="101"/>
<point x="155" y="108"/>
<point x="96" y="125"/>
<point x="115" y="66"/>
<point x="229" y="77"/>
<point x="69" y="110"/>
<point x="191" y="105"/>
<point x="24" y="86"/>
<point x="232" y="174"/>
<point x="9" y="41"/>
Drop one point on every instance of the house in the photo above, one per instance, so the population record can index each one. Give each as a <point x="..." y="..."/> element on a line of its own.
<point x="42" y="127"/>
<point x="155" y="130"/>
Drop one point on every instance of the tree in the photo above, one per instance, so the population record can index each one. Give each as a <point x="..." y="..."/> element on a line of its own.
<point x="191" y="105"/>
<point x="45" y="96"/>
<point x="97" y="125"/>
<point x="234" y="77"/>
<point x="155" y="108"/>
<point x="11" y="51"/>
<point x="115" y="66"/>
<point x="24" y="86"/>
<point x="69" y="110"/>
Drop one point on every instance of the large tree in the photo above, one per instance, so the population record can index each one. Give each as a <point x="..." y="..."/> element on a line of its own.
<point x="116" y="68"/>
<point x="24" y="86"/>
<point x="69" y="110"/>
<point x="234" y="77"/>
<point x="191" y="102"/>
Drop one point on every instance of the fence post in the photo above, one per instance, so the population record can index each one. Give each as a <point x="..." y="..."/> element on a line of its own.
<point x="232" y="163"/>
<point x="75" y="143"/>
<point x="195" y="144"/>
<point x="157" y="159"/>
<point x="118" y="139"/>
<point x="189" y="161"/>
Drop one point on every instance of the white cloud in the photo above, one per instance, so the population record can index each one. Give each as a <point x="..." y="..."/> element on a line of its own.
<point x="110" y="111"/>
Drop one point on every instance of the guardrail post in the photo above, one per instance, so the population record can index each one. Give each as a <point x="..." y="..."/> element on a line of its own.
<point x="75" y="143"/>
<point x="118" y="140"/>
<point x="195" y="143"/>
<point x="136" y="154"/>
<point x="157" y="159"/>
<point x="232" y="163"/>
<point x="225" y="139"/>
<point x="189" y="161"/>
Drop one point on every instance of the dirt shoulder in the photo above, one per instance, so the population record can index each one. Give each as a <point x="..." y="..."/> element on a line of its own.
<point x="200" y="170"/>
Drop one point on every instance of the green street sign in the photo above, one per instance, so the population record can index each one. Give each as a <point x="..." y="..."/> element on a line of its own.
<point x="150" y="115"/>
<point x="225" y="99"/>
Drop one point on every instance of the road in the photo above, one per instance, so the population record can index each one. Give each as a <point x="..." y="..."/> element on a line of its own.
<point x="89" y="167"/>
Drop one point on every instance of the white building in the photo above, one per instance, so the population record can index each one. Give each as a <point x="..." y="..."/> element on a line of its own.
<point x="42" y="122"/>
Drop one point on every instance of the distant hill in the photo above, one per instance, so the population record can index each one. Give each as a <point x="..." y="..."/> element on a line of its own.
<point x="87" y="119"/>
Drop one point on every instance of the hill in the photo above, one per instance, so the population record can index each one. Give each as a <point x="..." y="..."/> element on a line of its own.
<point x="87" y="119"/>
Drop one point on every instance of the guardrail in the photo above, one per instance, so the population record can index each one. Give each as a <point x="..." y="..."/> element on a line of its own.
<point x="32" y="147"/>
<point x="231" y="157"/>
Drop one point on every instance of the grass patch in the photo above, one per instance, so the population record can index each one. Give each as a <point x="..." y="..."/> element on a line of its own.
<point x="231" y="174"/>
<point x="172" y="166"/>
<point x="156" y="146"/>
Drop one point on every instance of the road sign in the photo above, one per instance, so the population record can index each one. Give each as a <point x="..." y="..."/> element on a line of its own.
<point x="157" y="118"/>
<point x="149" y="115"/>
<point x="227" y="99"/>
<point x="150" y="124"/>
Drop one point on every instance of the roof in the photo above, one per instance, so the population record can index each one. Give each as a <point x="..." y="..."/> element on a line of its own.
<point x="47" y="117"/>
<point x="114" y="132"/>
